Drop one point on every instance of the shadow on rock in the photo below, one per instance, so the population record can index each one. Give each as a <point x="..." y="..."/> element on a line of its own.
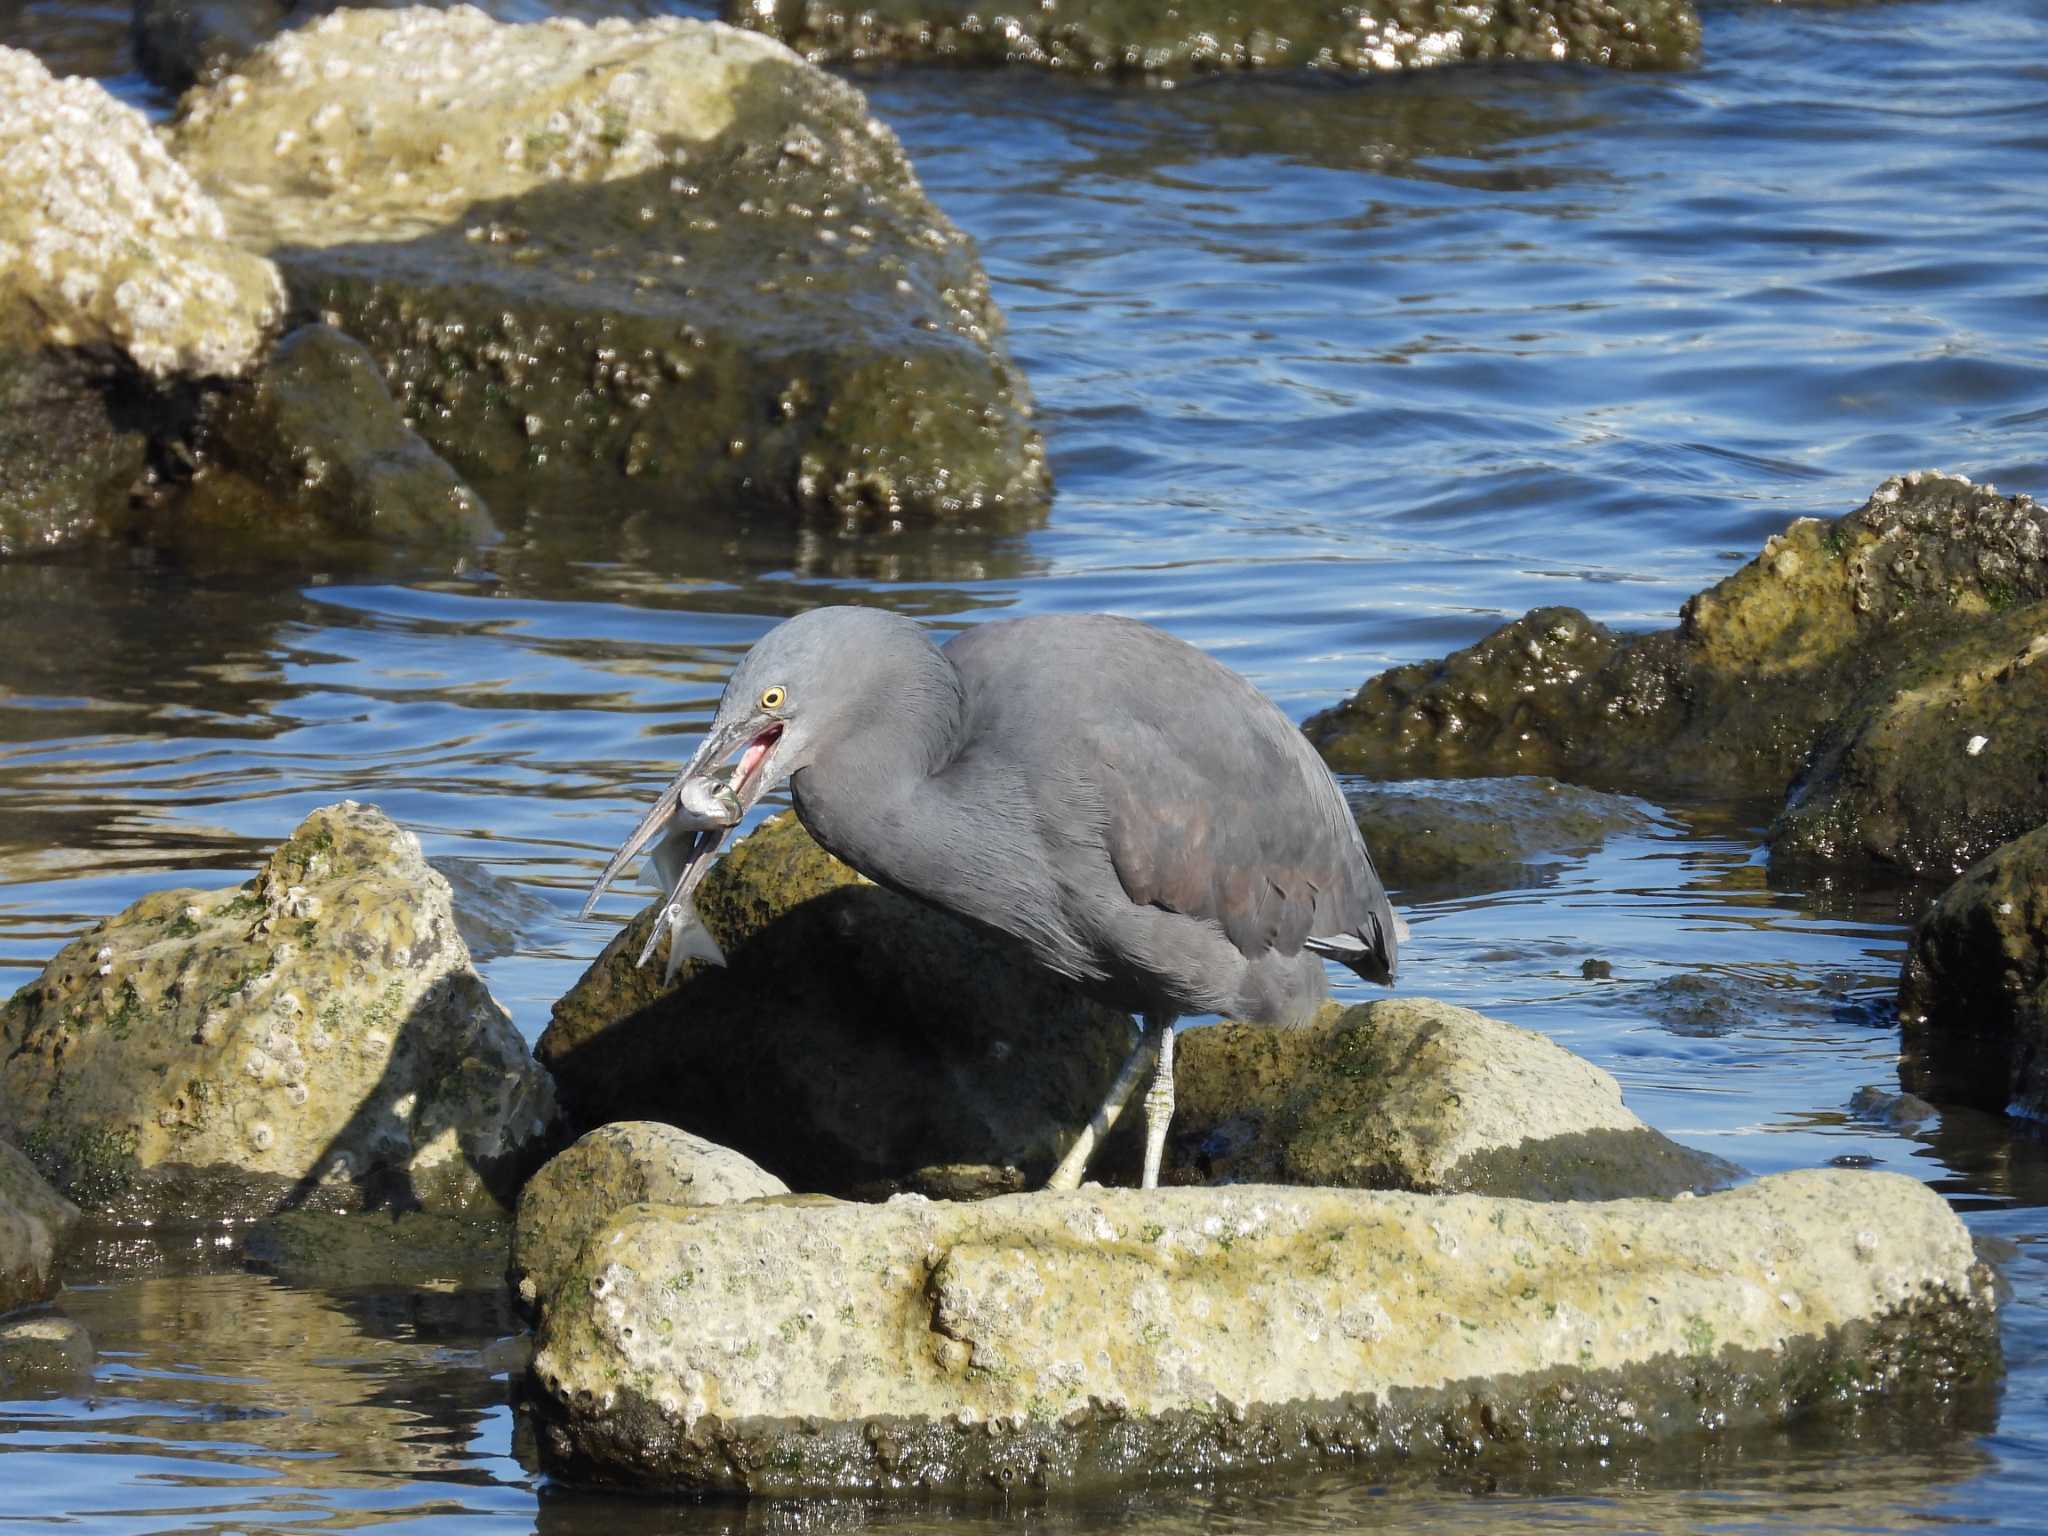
<point x="856" y="1042"/>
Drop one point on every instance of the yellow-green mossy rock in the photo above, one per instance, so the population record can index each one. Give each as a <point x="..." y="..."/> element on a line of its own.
<point x="117" y="280"/>
<point x="1885" y="673"/>
<point x="317" y="1035"/>
<point x="33" y="1221"/>
<point x="634" y="1162"/>
<point x="1409" y="1093"/>
<point x="1117" y="1337"/>
<point x="1973" y="993"/>
<point x="857" y="1042"/>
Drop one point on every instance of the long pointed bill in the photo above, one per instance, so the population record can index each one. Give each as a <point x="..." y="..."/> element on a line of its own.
<point x="692" y="790"/>
<point x="716" y="746"/>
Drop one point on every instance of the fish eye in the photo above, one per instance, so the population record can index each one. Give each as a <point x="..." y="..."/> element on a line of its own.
<point x="771" y="698"/>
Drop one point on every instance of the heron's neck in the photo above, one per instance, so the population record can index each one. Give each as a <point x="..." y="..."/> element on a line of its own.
<point x="867" y="795"/>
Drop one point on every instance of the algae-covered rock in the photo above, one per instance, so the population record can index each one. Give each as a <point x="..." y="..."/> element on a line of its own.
<point x="855" y="1039"/>
<point x="659" y="263"/>
<point x="1973" y="994"/>
<point x="1157" y="38"/>
<point x="34" y="1219"/>
<point x="1411" y="1093"/>
<point x="1121" y="1337"/>
<point x="1483" y="834"/>
<point x="316" y="1035"/>
<point x="634" y="1162"/>
<point x="116" y="284"/>
<point x="1856" y="663"/>
<point x="315" y="444"/>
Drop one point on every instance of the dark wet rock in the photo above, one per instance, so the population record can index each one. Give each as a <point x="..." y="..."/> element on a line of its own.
<point x="1483" y="834"/>
<point x="181" y="42"/>
<point x="1973" y="994"/>
<point x="34" y="1220"/>
<point x="44" y="1355"/>
<point x="1153" y="38"/>
<point x="118" y="293"/>
<point x="856" y="1038"/>
<point x="632" y="1162"/>
<point x="1883" y="1106"/>
<point x="316" y="1036"/>
<point x="315" y="445"/>
<point x="381" y="1250"/>
<point x="1118" y="1337"/>
<point x="1854" y="664"/>
<point x="661" y="264"/>
<point x="1412" y="1094"/>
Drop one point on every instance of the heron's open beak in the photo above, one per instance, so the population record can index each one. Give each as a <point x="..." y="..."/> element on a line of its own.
<point x="757" y="735"/>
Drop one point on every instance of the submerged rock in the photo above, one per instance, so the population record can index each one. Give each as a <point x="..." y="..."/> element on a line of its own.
<point x="1411" y="1094"/>
<point x="858" y="1041"/>
<point x="1152" y="37"/>
<point x="660" y="263"/>
<point x="316" y="1036"/>
<point x="117" y="287"/>
<point x="1482" y="834"/>
<point x="315" y="445"/>
<point x="1881" y="668"/>
<point x="381" y="1250"/>
<point x="44" y="1355"/>
<point x="1121" y="1337"/>
<point x="34" y="1219"/>
<point x="1973" y="994"/>
<point x="635" y="1162"/>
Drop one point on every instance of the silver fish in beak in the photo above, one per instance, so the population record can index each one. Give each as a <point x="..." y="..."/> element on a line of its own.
<point x="696" y="812"/>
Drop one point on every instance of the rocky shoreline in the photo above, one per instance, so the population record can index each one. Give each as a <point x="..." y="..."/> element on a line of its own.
<point x="1405" y="1229"/>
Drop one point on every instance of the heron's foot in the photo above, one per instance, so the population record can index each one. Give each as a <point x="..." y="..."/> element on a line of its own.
<point x="1075" y="1163"/>
<point x="1158" y="1109"/>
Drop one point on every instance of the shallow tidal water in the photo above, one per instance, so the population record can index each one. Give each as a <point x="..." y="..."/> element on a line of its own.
<point x="1333" y="375"/>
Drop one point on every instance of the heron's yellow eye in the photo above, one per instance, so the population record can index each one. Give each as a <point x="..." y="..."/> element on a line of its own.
<point x="771" y="698"/>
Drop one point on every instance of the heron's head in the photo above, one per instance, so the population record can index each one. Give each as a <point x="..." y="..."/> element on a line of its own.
<point x="810" y="682"/>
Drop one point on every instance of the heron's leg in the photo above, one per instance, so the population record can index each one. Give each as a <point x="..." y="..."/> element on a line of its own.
<point x="1158" y="1104"/>
<point x="1075" y="1163"/>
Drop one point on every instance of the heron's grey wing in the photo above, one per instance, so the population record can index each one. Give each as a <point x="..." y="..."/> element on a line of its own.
<point x="1215" y="806"/>
<point x="1228" y="825"/>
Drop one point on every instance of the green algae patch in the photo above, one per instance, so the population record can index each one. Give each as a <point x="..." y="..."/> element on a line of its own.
<point x="663" y="266"/>
<point x="317" y="1036"/>
<point x="856" y="1042"/>
<point x="1411" y="1094"/>
<point x="1973" y="993"/>
<point x="1188" y="37"/>
<point x="1117" y="1338"/>
<point x="1852" y="665"/>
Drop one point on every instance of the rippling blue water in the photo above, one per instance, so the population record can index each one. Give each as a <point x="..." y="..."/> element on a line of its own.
<point x="1334" y="375"/>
